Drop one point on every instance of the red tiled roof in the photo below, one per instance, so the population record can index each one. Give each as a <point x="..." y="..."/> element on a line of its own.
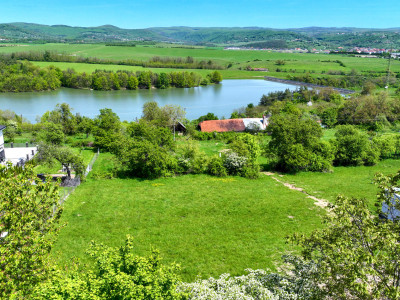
<point x="222" y="125"/>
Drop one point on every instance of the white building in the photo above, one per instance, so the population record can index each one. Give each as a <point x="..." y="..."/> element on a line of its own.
<point x="15" y="155"/>
<point x="2" y="154"/>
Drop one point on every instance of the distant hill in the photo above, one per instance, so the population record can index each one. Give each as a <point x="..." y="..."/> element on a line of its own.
<point x="309" y="37"/>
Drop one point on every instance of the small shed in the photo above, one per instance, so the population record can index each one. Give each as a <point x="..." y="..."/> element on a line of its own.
<point x="180" y="128"/>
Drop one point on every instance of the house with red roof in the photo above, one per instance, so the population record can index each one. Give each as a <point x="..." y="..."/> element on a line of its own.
<point x="237" y="125"/>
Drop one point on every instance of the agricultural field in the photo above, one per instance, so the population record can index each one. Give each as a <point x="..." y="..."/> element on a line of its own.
<point x="294" y="62"/>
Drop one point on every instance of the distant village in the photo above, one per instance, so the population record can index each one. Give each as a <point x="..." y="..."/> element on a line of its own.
<point x="358" y="51"/>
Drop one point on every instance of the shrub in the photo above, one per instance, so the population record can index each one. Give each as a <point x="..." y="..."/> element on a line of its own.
<point x="216" y="167"/>
<point x="353" y="147"/>
<point x="234" y="163"/>
<point x="296" y="144"/>
<point x="251" y="170"/>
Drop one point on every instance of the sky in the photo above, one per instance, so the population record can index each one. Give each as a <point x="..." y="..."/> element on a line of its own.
<point x="133" y="14"/>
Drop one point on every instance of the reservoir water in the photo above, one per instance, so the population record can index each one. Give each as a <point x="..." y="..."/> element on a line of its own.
<point x="221" y="99"/>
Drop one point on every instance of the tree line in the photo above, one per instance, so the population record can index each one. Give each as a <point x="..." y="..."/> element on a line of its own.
<point x="351" y="80"/>
<point x="26" y="77"/>
<point x="155" y="62"/>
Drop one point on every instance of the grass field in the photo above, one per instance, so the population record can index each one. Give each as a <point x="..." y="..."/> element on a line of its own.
<point x="208" y="225"/>
<point x="89" y="68"/>
<point x="348" y="181"/>
<point x="294" y="62"/>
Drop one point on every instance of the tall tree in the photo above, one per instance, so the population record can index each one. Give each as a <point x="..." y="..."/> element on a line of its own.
<point x="106" y="130"/>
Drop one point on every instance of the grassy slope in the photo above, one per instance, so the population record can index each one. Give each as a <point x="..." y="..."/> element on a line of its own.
<point x="208" y="225"/>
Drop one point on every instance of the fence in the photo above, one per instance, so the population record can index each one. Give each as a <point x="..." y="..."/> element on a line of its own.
<point x="90" y="166"/>
<point x="67" y="190"/>
<point x="19" y="145"/>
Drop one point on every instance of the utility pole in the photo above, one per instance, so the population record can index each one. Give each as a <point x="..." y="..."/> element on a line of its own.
<point x="388" y="68"/>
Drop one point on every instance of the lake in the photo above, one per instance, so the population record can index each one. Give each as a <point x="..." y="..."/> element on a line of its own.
<point x="221" y="99"/>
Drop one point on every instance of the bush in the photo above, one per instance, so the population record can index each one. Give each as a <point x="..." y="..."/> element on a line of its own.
<point x="295" y="143"/>
<point x="216" y="167"/>
<point x="147" y="160"/>
<point x="251" y="170"/>
<point x="234" y="163"/>
<point x="386" y="145"/>
<point x="353" y="147"/>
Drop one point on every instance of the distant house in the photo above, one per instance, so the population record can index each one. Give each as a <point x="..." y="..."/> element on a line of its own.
<point x="237" y="125"/>
<point x="2" y="153"/>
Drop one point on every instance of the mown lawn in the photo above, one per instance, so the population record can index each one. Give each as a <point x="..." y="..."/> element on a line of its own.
<point x="206" y="224"/>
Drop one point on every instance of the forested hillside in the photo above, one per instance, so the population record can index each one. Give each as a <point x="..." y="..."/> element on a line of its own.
<point x="310" y="37"/>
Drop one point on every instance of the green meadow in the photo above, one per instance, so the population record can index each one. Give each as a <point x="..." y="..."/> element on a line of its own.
<point x="294" y="62"/>
<point x="208" y="225"/>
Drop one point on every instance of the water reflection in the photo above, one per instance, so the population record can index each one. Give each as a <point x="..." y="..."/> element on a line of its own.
<point x="220" y="99"/>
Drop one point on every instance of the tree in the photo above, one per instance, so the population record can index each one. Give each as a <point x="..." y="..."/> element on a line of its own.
<point x="296" y="144"/>
<point x="148" y="151"/>
<point x="117" y="274"/>
<point x="357" y="254"/>
<point x="246" y="149"/>
<point x="167" y="115"/>
<point x="85" y="126"/>
<point x="208" y="116"/>
<point x="61" y="115"/>
<point x="353" y="147"/>
<point x="52" y="134"/>
<point x="151" y="111"/>
<point x="66" y="156"/>
<point x="368" y="88"/>
<point x="215" y="77"/>
<point x="11" y="130"/>
<point x="29" y="220"/>
<point x="107" y="127"/>
<point x="163" y="81"/>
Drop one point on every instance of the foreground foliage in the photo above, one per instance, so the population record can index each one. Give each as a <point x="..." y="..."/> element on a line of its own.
<point x="28" y="227"/>
<point x="117" y="274"/>
<point x="357" y="254"/>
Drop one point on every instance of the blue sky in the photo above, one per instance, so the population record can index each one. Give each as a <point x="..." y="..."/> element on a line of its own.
<point x="205" y="13"/>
